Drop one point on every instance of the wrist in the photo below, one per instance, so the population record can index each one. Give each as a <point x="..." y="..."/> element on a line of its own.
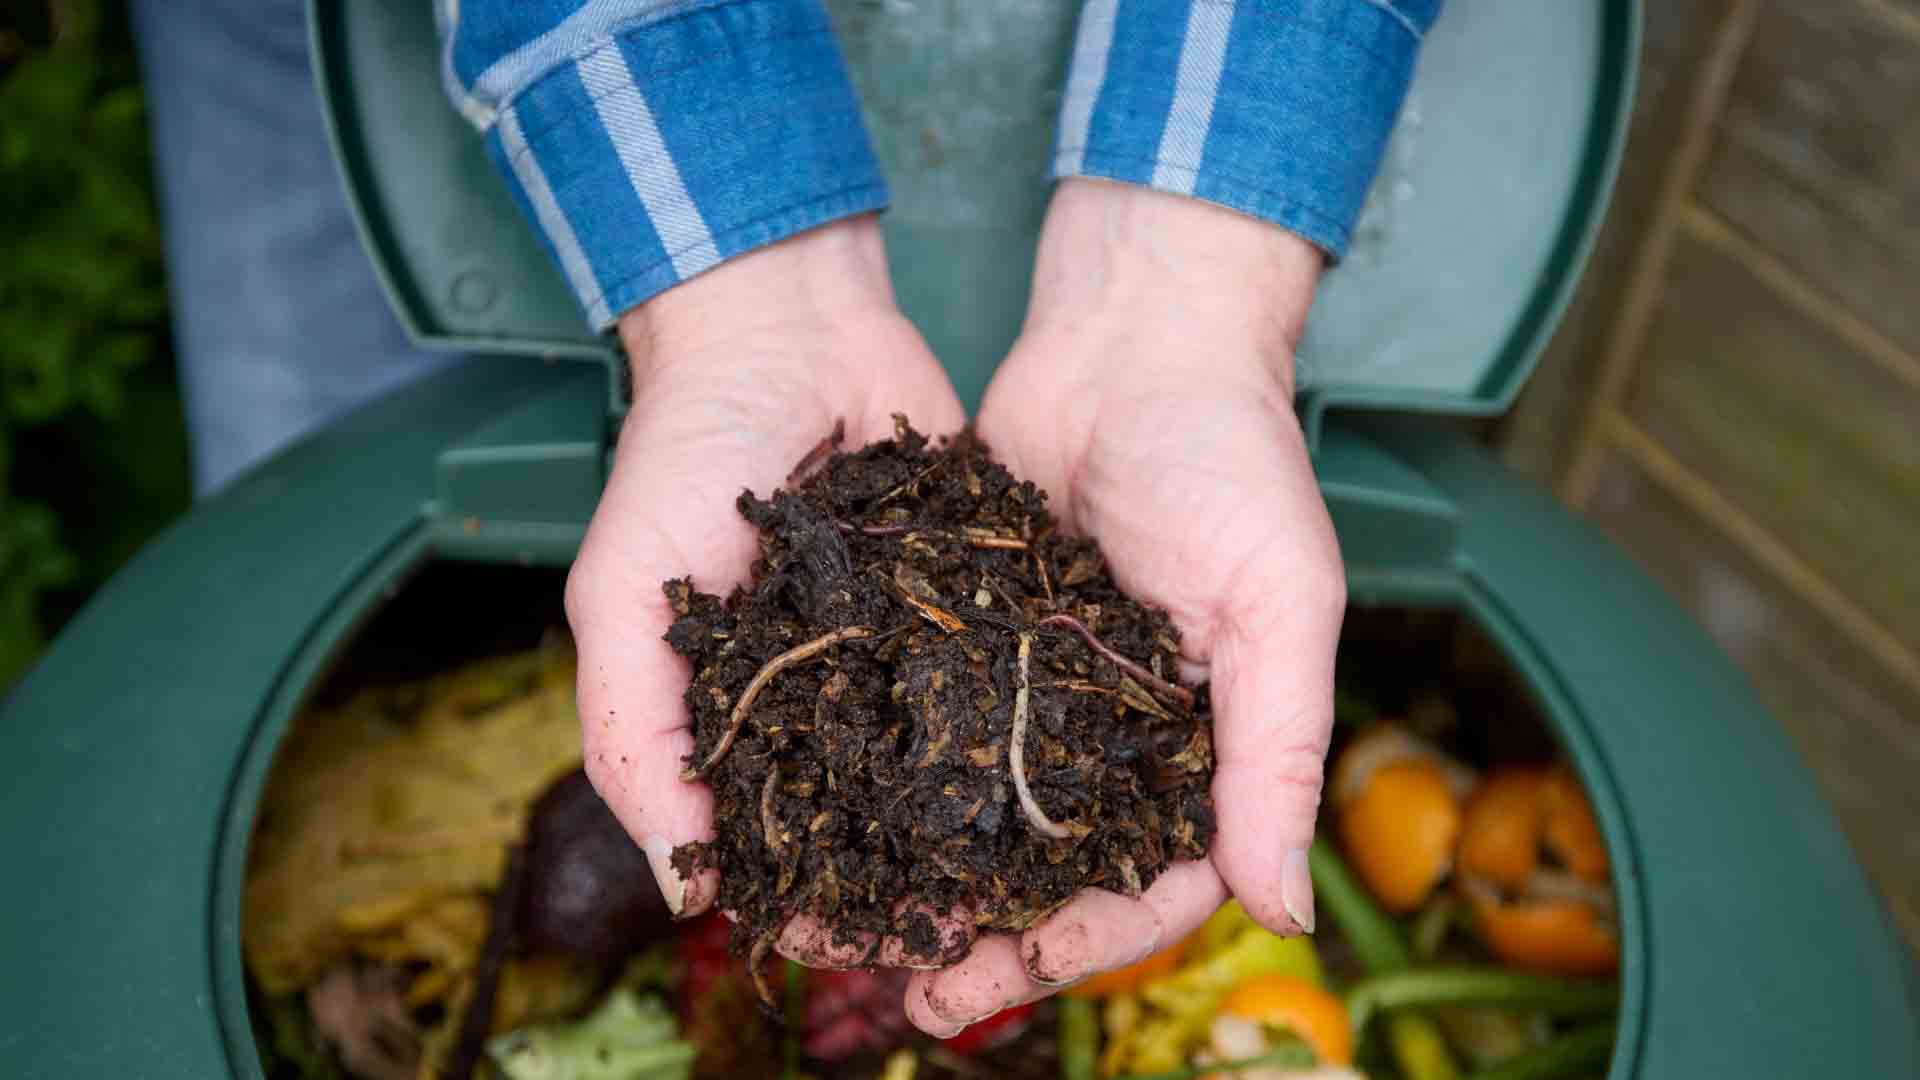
<point x="831" y="276"/>
<point x="1130" y="260"/>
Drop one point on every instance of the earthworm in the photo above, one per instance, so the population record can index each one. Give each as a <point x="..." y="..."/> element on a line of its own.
<point x="1017" y="756"/>
<point x="1180" y="694"/>
<point x="774" y="667"/>
<point x="819" y="452"/>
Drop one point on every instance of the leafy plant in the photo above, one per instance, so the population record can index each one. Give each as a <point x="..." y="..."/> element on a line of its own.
<point x="82" y="311"/>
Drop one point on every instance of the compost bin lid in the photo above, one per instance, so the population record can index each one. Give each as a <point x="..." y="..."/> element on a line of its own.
<point x="1474" y="234"/>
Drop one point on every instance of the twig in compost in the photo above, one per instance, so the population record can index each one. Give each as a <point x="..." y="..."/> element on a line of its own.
<point x="768" y="820"/>
<point x="987" y="538"/>
<point x="979" y="538"/>
<point x="1017" y="757"/>
<point x="1179" y="694"/>
<point x="1046" y="585"/>
<point x="757" y="967"/>
<point x="935" y="614"/>
<point x="1078" y="686"/>
<point x="819" y="452"/>
<point x="774" y="667"/>
<point x="910" y="484"/>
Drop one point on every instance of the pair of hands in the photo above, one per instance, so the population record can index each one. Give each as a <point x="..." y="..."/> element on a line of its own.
<point x="1150" y="394"/>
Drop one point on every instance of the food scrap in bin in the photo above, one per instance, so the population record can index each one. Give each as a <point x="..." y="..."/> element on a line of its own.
<point x="391" y="819"/>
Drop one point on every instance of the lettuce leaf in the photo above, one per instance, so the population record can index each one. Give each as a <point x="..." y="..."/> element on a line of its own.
<point x="627" y="1038"/>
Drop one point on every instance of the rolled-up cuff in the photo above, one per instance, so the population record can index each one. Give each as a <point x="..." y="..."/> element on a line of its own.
<point x="1277" y="110"/>
<point x="673" y="146"/>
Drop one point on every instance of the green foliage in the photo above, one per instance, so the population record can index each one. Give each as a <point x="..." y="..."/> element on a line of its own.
<point x="82" y="310"/>
<point x="81" y="295"/>
<point x="32" y="560"/>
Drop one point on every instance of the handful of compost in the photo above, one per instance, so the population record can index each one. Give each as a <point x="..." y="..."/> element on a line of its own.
<point x="929" y="700"/>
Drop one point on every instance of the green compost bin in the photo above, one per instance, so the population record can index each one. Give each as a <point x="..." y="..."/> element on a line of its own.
<point x="1753" y="945"/>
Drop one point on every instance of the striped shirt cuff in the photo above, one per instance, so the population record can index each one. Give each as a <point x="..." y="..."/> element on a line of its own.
<point x="670" y="145"/>
<point x="1279" y="109"/>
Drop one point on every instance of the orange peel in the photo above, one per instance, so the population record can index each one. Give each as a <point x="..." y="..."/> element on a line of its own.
<point x="1561" y="937"/>
<point x="1310" y="1012"/>
<point x="1386" y="744"/>
<point x="1400" y="831"/>
<point x="1530" y="915"/>
<point x="1516" y="815"/>
<point x="1501" y="831"/>
<point x="1572" y="832"/>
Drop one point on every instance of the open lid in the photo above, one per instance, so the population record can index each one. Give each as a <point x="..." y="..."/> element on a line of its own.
<point x="1474" y="234"/>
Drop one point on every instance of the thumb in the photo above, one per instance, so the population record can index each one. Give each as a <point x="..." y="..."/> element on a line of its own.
<point x="1272" y="669"/>
<point x="667" y="513"/>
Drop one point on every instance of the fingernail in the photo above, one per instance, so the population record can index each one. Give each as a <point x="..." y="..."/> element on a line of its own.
<point x="673" y="887"/>
<point x="1064" y="954"/>
<point x="952" y="1027"/>
<point x="1296" y="889"/>
<point x="1056" y="967"/>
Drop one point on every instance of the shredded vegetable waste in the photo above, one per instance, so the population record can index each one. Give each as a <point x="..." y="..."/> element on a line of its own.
<point x="627" y="1038"/>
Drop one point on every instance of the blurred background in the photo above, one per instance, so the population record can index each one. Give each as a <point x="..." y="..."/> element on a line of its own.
<point x="93" y="451"/>
<point x="1734" y="396"/>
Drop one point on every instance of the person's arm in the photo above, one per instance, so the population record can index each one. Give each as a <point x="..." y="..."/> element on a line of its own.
<point x="1212" y="157"/>
<point x="701" y="174"/>
<point x="1278" y="109"/>
<point x="652" y="140"/>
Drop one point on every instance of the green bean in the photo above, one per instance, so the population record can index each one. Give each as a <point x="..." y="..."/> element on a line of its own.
<point x="1480" y="986"/>
<point x="1079" y="1039"/>
<point x="1419" y="1048"/>
<point x="1430" y="928"/>
<point x="1295" y="1056"/>
<point x="796" y="1015"/>
<point x="1375" y="937"/>
<point x="1573" y="1053"/>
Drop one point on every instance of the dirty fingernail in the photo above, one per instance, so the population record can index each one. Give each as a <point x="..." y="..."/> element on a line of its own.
<point x="673" y="887"/>
<point x="1052" y="972"/>
<point x="1099" y="931"/>
<point x="933" y="1021"/>
<point x="1296" y="889"/>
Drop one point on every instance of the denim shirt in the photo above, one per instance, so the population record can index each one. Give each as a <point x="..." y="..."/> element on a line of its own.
<point x="651" y="140"/>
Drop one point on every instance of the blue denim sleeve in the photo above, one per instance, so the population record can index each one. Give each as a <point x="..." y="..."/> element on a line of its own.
<point x="651" y="140"/>
<point x="1276" y="108"/>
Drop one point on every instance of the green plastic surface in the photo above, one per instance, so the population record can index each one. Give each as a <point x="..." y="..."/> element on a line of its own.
<point x="139" y="746"/>
<point x="1474" y="235"/>
<point x="1753" y="945"/>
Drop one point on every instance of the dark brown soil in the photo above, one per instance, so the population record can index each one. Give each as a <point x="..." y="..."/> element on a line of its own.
<point x="855" y="709"/>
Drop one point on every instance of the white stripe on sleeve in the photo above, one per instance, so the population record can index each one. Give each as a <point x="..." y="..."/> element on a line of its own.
<point x="573" y="260"/>
<point x="655" y="178"/>
<point x="1195" y="86"/>
<point x="1084" y="80"/>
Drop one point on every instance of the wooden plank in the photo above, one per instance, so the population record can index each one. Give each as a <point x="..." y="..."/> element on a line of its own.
<point x="1815" y="443"/>
<point x="1902" y="16"/>
<point x="1840" y="611"/>
<point x="1707" y="227"/>
<point x="1706" y="98"/>
<point x="1819" y="156"/>
<point x="1535" y="437"/>
<point x="1858" y="729"/>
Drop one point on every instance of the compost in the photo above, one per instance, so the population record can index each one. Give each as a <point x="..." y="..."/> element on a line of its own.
<point x="928" y="699"/>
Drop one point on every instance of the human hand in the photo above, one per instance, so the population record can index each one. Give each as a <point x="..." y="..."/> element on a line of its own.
<point x="1151" y="394"/>
<point x="737" y="374"/>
